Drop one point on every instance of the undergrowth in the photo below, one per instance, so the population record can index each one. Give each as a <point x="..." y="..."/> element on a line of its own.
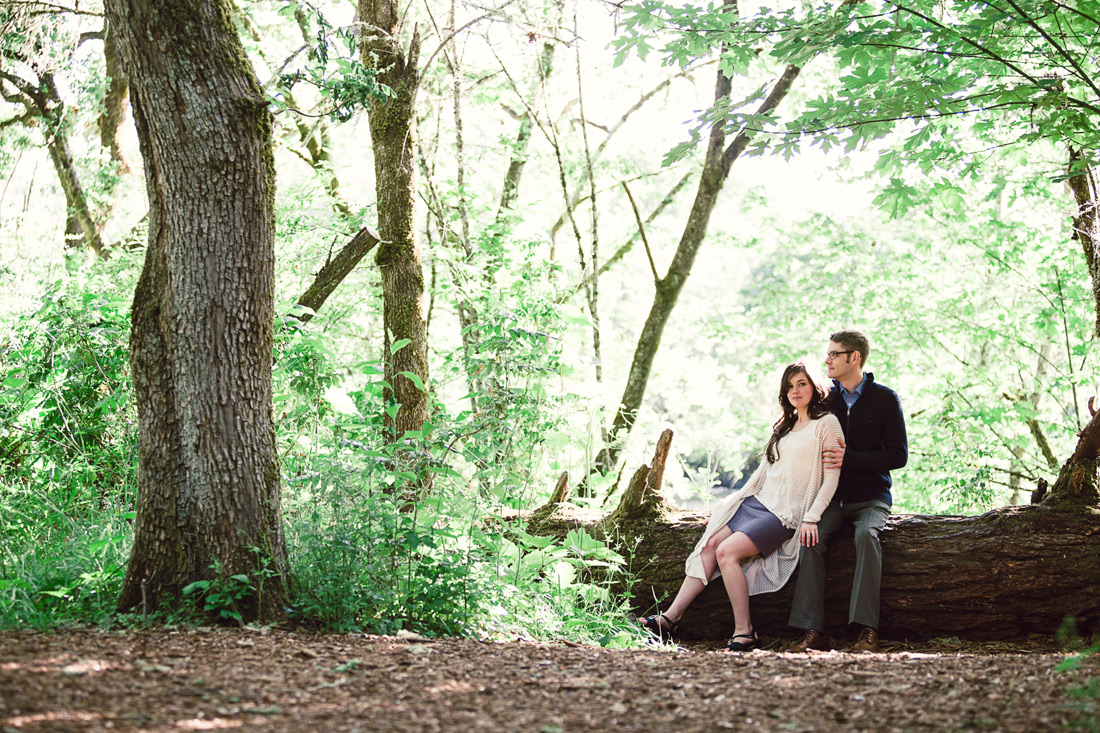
<point x="381" y="536"/>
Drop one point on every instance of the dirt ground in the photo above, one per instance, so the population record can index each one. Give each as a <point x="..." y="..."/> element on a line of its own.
<point x="213" y="679"/>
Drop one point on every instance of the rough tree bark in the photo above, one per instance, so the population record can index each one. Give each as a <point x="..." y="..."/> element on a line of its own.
<point x="1003" y="574"/>
<point x="1086" y="223"/>
<point x="716" y="168"/>
<point x="393" y="134"/>
<point x="203" y="313"/>
<point x="1076" y="486"/>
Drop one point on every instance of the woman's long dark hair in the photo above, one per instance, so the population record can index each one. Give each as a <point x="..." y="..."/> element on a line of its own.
<point x="817" y="408"/>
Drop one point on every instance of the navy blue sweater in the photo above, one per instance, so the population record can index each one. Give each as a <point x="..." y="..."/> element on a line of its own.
<point x="874" y="432"/>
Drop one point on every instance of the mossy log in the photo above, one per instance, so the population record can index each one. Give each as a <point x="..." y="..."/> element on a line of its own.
<point x="1009" y="572"/>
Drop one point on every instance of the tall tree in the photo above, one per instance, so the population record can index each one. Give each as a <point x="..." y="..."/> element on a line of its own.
<point x="203" y="312"/>
<point x="720" y="157"/>
<point x="393" y="135"/>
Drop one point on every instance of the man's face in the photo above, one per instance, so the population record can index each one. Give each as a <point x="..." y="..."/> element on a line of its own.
<point x="842" y="365"/>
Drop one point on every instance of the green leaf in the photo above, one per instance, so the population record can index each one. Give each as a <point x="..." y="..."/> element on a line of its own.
<point x="198" y="585"/>
<point x="417" y="381"/>
<point x="398" y="345"/>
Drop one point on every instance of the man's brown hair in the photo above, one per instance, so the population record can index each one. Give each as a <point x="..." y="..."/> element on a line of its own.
<point x="855" y="341"/>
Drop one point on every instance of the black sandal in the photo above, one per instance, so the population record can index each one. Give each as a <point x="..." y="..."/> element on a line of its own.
<point x="742" y="646"/>
<point x="653" y="623"/>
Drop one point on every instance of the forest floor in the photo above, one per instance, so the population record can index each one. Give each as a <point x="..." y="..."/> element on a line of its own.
<point x="272" y="680"/>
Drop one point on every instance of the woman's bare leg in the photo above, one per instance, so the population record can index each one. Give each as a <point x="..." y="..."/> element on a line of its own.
<point x="692" y="587"/>
<point x="730" y="553"/>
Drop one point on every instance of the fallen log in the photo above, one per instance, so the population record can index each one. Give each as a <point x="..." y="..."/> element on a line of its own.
<point x="1005" y="574"/>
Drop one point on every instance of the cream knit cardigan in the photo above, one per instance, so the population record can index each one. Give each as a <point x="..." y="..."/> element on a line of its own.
<point x="771" y="573"/>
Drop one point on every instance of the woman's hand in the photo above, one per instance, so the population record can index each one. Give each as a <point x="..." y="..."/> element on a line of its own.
<point x="807" y="534"/>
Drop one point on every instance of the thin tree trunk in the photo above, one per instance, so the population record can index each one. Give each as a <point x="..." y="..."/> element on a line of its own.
<point x="716" y="169"/>
<point x="510" y="190"/>
<point x="203" y="313"/>
<point x="591" y="283"/>
<point x="1032" y="400"/>
<point x="42" y="100"/>
<point x="393" y="133"/>
<point x="1086" y="224"/>
<point x="115" y="100"/>
<point x="61" y="156"/>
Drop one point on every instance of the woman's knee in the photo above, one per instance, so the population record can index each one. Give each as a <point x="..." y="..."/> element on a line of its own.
<point x="730" y="553"/>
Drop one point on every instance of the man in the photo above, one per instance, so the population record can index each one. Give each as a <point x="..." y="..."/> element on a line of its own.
<point x="874" y="444"/>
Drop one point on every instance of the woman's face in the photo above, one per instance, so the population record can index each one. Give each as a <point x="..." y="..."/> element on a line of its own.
<point x="800" y="390"/>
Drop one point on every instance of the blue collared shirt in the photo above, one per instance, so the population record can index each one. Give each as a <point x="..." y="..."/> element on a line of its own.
<point x="851" y="397"/>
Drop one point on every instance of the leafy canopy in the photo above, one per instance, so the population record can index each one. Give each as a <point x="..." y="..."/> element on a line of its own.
<point x="1015" y="71"/>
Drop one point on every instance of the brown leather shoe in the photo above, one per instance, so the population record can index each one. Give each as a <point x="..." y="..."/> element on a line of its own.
<point x="867" y="641"/>
<point x="810" y="640"/>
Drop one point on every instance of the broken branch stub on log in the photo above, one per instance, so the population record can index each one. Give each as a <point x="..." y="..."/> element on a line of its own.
<point x="1077" y="481"/>
<point x="642" y="498"/>
<point x="1007" y="573"/>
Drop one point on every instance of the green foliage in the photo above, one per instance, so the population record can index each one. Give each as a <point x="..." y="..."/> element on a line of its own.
<point x="56" y="570"/>
<point x="65" y="413"/>
<point x="510" y="364"/>
<point x="67" y="456"/>
<point x="332" y="67"/>
<point x="224" y="594"/>
<point x="942" y="82"/>
<point x="1084" y="690"/>
<point x="370" y="550"/>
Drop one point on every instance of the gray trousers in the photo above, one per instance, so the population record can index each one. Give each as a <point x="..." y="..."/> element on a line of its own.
<point x="808" y="607"/>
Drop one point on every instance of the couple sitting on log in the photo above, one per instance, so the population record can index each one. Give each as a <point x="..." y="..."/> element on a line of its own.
<point x="827" y="465"/>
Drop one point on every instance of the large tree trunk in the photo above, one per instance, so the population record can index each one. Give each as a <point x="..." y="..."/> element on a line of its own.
<point x="719" y="159"/>
<point x="203" y="313"/>
<point x="1003" y="574"/>
<point x="393" y="134"/>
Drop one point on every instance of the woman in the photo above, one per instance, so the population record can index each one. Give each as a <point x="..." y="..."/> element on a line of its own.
<point x="767" y="519"/>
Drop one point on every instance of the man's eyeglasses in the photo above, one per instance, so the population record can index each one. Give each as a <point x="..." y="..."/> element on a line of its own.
<point x="834" y="354"/>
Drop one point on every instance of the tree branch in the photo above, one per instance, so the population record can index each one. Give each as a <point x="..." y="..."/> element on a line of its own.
<point x="992" y="55"/>
<point x="641" y="231"/>
<point x="24" y="118"/>
<point x="51" y="6"/>
<point x="336" y="269"/>
<point x="782" y="86"/>
<point x="33" y="93"/>
<point x="1075" y="10"/>
<point x="445" y="41"/>
<point x="1065" y="54"/>
<point x="622" y="120"/>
